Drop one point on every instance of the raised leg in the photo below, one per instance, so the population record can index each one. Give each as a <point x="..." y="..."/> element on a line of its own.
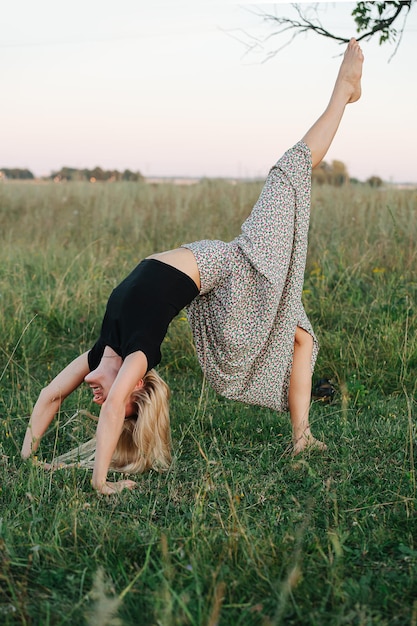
<point x="347" y="89"/>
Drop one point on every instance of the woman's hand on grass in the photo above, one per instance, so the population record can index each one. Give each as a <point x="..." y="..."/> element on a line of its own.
<point x="109" y="489"/>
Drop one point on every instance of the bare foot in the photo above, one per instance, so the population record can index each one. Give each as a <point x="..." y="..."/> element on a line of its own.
<point x="348" y="80"/>
<point x="308" y="442"/>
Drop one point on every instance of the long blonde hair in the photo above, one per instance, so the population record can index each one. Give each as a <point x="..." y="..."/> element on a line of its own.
<point x="145" y="441"/>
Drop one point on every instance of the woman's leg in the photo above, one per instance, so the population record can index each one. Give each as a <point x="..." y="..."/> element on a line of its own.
<point x="299" y="396"/>
<point x="347" y="89"/>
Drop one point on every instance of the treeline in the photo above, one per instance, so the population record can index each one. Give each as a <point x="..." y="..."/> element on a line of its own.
<point x="94" y="175"/>
<point x="72" y="173"/>
<point x="336" y="174"/>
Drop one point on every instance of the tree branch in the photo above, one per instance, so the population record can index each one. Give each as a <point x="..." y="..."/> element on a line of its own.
<point x="378" y="25"/>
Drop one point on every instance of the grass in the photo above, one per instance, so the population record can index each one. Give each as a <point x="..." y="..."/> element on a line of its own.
<point x="237" y="532"/>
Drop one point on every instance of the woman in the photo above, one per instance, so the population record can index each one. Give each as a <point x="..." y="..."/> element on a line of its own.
<point x="253" y="338"/>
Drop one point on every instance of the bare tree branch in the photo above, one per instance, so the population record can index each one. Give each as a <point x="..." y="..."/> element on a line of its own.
<point x="372" y="25"/>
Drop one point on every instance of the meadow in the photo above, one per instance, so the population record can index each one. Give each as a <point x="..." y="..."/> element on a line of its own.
<point x="237" y="532"/>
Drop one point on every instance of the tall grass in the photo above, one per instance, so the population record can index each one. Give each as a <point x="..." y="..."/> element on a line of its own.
<point x="237" y="532"/>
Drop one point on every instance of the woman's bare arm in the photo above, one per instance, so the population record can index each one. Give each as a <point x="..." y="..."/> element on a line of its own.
<point x="110" y="423"/>
<point x="50" y="400"/>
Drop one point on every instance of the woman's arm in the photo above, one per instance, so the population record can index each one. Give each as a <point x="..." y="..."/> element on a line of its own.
<point x="50" y="400"/>
<point x="110" y="423"/>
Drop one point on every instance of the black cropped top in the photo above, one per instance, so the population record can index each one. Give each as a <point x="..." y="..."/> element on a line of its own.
<point x="140" y="310"/>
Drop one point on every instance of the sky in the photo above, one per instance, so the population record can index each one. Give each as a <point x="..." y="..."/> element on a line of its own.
<point x="187" y="89"/>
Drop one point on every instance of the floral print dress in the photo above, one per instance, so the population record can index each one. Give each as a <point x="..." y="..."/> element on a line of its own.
<point x="245" y="317"/>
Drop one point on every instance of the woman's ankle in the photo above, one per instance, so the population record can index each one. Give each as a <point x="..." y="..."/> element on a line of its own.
<point x="307" y="441"/>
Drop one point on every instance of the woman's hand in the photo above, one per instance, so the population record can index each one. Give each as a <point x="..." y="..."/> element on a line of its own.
<point x="110" y="422"/>
<point x="109" y="489"/>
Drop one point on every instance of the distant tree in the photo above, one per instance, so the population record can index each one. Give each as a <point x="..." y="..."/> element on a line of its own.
<point x="340" y="174"/>
<point x="97" y="173"/>
<point x="371" y="20"/>
<point x="334" y="173"/>
<point x="132" y="176"/>
<point x="67" y="173"/>
<point x="375" y="181"/>
<point x="16" y="173"/>
<point x="321" y="173"/>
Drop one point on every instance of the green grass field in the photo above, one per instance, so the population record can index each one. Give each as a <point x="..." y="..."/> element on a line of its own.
<point x="238" y="532"/>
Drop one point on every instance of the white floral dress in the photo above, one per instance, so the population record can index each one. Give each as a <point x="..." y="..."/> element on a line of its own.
<point x="249" y="306"/>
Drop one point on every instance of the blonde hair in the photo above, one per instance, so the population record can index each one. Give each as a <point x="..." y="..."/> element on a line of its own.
<point x="145" y="441"/>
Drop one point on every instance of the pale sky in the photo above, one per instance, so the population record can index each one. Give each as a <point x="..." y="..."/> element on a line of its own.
<point x="169" y="89"/>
